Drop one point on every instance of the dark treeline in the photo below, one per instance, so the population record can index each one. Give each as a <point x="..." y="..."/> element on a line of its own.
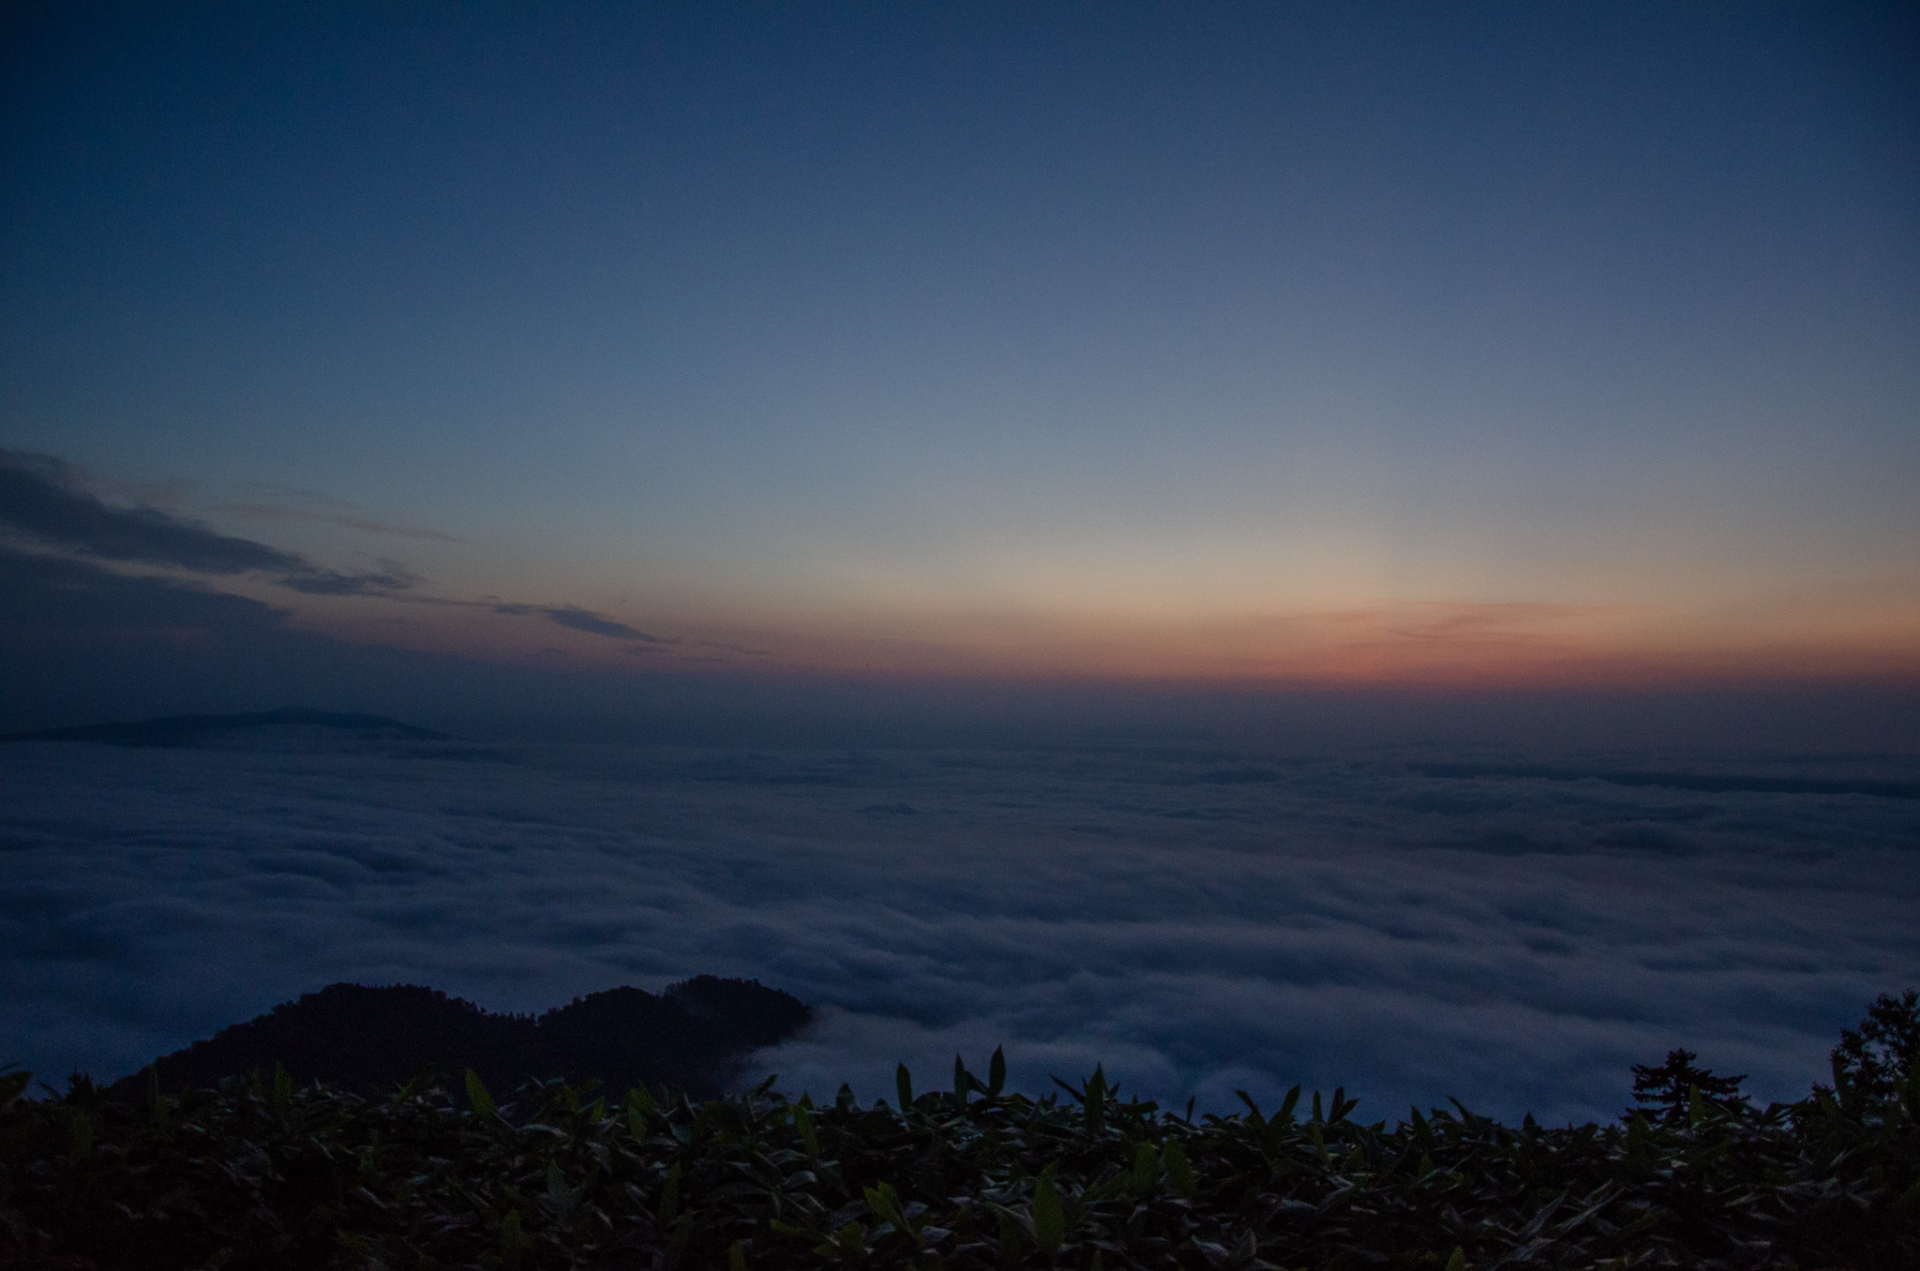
<point x="371" y="1040"/>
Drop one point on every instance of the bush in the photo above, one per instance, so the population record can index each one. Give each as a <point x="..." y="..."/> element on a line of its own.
<point x="262" y="1174"/>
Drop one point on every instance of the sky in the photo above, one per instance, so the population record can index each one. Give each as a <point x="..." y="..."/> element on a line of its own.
<point x="1325" y="346"/>
<point x="1358" y="544"/>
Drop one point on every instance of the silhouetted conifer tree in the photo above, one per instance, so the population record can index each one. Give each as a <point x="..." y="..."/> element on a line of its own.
<point x="1664" y="1092"/>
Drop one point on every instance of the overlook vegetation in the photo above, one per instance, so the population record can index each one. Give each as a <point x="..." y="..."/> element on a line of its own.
<point x="262" y="1173"/>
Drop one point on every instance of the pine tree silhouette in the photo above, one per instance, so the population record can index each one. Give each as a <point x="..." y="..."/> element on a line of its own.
<point x="1665" y="1092"/>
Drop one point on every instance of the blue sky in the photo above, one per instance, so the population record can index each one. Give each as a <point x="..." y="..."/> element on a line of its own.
<point x="1318" y="344"/>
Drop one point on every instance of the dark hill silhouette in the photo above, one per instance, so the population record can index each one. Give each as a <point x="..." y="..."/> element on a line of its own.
<point x="188" y="730"/>
<point x="1711" y="783"/>
<point x="371" y="1040"/>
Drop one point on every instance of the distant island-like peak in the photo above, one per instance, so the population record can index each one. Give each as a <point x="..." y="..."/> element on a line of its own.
<point x="371" y="1039"/>
<point x="193" y="730"/>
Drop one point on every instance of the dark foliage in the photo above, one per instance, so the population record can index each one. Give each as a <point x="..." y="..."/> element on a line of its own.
<point x="1871" y="1060"/>
<point x="263" y="1174"/>
<point x="370" y="1040"/>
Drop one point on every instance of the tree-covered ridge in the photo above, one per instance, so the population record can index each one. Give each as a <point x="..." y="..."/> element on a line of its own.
<point x="369" y="1040"/>
<point x="261" y="1173"/>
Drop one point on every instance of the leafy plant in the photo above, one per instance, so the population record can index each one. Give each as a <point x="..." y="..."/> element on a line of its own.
<point x="265" y="1173"/>
<point x="1874" y="1062"/>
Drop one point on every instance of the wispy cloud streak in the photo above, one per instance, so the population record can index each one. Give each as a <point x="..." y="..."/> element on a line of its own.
<point x="575" y="618"/>
<point x="44" y="499"/>
<point x="273" y="512"/>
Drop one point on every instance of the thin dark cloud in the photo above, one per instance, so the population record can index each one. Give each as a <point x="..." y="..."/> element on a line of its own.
<point x="575" y="618"/>
<point x="391" y="577"/>
<point x="742" y="649"/>
<point x="279" y="496"/>
<point x="739" y="649"/>
<point x="66" y="601"/>
<point x="44" y="498"/>
<point x="275" y="512"/>
<point x="82" y="642"/>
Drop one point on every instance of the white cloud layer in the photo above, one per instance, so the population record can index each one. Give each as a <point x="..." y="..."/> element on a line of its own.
<point x="1198" y="919"/>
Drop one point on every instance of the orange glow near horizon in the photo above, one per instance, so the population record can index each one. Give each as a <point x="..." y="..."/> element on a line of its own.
<point x="1409" y="644"/>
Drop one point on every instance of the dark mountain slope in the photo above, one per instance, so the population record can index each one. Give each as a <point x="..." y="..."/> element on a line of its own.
<point x="372" y="1040"/>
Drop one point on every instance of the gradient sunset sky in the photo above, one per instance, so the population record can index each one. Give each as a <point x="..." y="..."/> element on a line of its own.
<point x="1324" y="344"/>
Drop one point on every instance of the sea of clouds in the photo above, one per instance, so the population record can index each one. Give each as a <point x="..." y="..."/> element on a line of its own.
<point x="1199" y="917"/>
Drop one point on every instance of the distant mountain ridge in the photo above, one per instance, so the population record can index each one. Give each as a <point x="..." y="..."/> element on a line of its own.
<point x="186" y="730"/>
<point x="1712" y="783"/>
<point x="373" y="1039"/>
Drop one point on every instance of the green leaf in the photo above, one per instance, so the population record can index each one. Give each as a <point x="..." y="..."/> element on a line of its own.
<point x="1458" y="1262"/>
<point x="852" y="1240"/>
<point x="1179" y="1169"/>
<point x="1146" y="1170"/>
<point x="477" y="1095"/>
<point x="996" y="1073"/>
<point x="670" y="1196"/>
<point x="1049" y="1215"/>
<point x="513" y="1239"/>
<point x="677" y="1242"/>
<point x="884" y="1201"/>
<point x="282" y="1090"/>
<point x="1285" y="1114"/>
<point x="736" y="1256"/>
<point x="803" y="1122"/>
<point x="903" y="1086"/>
<point x="1092" y="1098"/>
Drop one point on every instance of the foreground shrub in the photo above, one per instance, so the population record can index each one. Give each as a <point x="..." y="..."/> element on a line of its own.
<point x="262" y="1174"/>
